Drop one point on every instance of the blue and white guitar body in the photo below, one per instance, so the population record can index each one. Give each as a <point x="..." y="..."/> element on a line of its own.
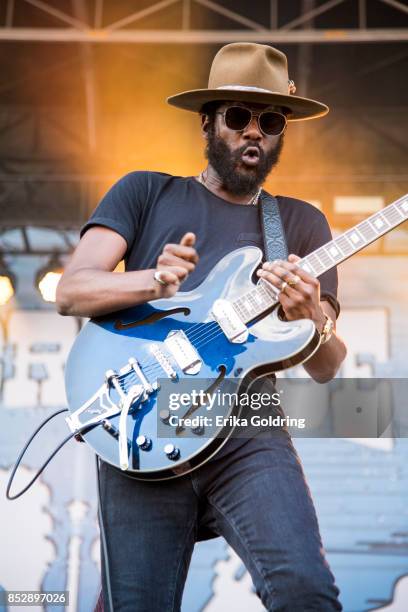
<point x="117" y="365"/>
<point x="226" y="331"/>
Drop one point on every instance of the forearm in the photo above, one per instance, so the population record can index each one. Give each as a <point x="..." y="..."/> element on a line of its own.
<point x="325" y="362"/>
<point x="90" y="292"/>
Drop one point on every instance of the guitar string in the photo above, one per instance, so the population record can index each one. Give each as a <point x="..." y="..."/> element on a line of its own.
<point x="191" y="333"/>
<point x="151" y="366"/>
<point x="194" y="334"/>
<point x="212" y="331"/>
<point x="191" y="336"/>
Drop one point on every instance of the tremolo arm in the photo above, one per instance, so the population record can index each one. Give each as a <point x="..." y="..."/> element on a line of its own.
<point x="101" y="406"/>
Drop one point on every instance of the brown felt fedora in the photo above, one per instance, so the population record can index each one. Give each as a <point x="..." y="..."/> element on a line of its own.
<point x="250" y="72"/>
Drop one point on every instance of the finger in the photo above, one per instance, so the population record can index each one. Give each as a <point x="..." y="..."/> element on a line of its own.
<point x="185" y="252"/>
<point x="290" y="309"/>
<point x="295" y="298"/>
<point x="308" y="281"/>
<point x="188" y="239"/>
<point x="275" y="280"/>
<point x="283" y="270"/>
<point x="294" y="258"/>
<point x="167" y="259"/>
<point x="180" y="272"/>
<point x="169" y="278"/>
<point x="294" y="275"/>
<point x="296" y="288"/>
<point x="307" y="278"/>
<point x="280" y="267"/>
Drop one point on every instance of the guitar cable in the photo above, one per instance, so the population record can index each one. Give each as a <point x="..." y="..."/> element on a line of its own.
<point x="44" y="465"/>
<point x="42" y="468"/>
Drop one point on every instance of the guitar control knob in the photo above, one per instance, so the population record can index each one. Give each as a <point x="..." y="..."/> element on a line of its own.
<point x="172" y="452"/>
<point x="144" y="443"/>
<point x="164" y="416"/>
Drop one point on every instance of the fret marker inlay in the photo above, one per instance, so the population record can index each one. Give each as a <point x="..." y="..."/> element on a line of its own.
<point x="265" y="296"/>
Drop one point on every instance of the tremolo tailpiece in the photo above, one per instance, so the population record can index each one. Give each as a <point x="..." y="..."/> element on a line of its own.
<point x="102" y="406"/>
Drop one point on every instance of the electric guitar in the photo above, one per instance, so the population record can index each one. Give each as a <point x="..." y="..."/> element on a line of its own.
<point x="125" y="370"/>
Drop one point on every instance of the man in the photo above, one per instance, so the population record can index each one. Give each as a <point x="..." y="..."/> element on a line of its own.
<point x="171" y="231"/>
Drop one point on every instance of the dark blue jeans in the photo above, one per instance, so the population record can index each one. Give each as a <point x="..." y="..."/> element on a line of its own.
<point x="254" y="495"/>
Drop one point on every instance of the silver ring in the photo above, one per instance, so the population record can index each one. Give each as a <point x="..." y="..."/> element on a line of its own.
<point x="157" y="277"/>
<point x="283" y="286"/>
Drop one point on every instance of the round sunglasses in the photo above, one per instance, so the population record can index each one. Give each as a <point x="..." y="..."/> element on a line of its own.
<point x="237" y="118"/>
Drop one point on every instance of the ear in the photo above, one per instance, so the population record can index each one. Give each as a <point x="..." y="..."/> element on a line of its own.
<point x="204" y="126"/>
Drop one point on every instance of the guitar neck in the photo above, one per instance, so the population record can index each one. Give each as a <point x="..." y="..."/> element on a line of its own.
<point x="357" y="238"/>
<point x="262" y="297"/>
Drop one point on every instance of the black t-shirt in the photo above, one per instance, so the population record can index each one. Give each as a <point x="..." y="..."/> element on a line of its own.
<point x="150" y="209"/>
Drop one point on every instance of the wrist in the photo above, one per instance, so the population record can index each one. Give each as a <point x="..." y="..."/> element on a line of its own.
<point x="320" y="321"/>
<point x="152" y="287"/>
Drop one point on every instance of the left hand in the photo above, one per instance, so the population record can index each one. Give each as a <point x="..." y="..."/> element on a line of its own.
<point x="300" y="296"/>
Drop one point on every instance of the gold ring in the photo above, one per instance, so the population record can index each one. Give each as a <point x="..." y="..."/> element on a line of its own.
<point x="293" y="281"/>
<point x="157" y="277"/>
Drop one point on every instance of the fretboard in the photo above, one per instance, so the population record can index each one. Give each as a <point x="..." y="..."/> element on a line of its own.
<point x="262" y="297"/>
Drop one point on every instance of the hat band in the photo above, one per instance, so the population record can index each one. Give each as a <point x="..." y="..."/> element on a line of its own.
<point x="246" y="88"/>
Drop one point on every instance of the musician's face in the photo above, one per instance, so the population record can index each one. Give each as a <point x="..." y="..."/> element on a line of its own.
<point x="242" y="158"/>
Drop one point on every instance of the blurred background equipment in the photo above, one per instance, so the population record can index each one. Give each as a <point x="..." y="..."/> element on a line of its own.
<point x="7" y="283"/>
<point x="48" y="278"/>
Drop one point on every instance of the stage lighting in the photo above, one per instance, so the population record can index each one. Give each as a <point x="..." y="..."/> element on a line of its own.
<point x="48" y="279"/>
<point x="7" y="283"/>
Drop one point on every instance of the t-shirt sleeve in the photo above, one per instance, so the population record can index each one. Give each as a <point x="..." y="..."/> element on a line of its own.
<point x="121" y="207"/>
<point x="319" y="235"/>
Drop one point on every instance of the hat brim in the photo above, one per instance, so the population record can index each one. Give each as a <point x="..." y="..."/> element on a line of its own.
<point x="300" y="108"/>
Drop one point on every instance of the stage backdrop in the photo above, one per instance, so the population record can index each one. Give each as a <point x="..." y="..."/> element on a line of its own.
<point x="50" y="536"/>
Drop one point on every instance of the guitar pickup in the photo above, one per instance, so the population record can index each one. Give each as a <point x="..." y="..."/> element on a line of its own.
<point x="230" y="322"/>
<point x="183" y="352"/>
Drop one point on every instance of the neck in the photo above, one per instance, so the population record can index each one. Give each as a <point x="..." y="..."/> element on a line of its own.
<point x="214" y="184"/>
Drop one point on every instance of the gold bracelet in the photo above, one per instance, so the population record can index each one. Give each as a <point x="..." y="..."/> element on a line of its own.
<point x="327" y="330"/>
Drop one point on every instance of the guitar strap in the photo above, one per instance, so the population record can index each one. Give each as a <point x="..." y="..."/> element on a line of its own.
<point x="272" y="228"/>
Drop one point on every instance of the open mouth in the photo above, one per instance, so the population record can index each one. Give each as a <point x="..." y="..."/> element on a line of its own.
<point x="251" y="156"/>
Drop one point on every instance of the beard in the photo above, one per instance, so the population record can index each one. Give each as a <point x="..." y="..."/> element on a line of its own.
<point x="226" y="163"/>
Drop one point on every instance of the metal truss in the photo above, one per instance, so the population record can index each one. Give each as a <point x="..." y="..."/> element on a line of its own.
<point x="77" y="28"/>
<point x="17" y="240"/>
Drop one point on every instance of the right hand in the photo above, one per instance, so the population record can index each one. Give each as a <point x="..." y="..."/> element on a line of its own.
<point x="175" y="263"/>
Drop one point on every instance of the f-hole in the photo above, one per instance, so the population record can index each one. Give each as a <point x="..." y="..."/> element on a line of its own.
<point x="222" y="371"/>
<point x="152" y="318"/>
